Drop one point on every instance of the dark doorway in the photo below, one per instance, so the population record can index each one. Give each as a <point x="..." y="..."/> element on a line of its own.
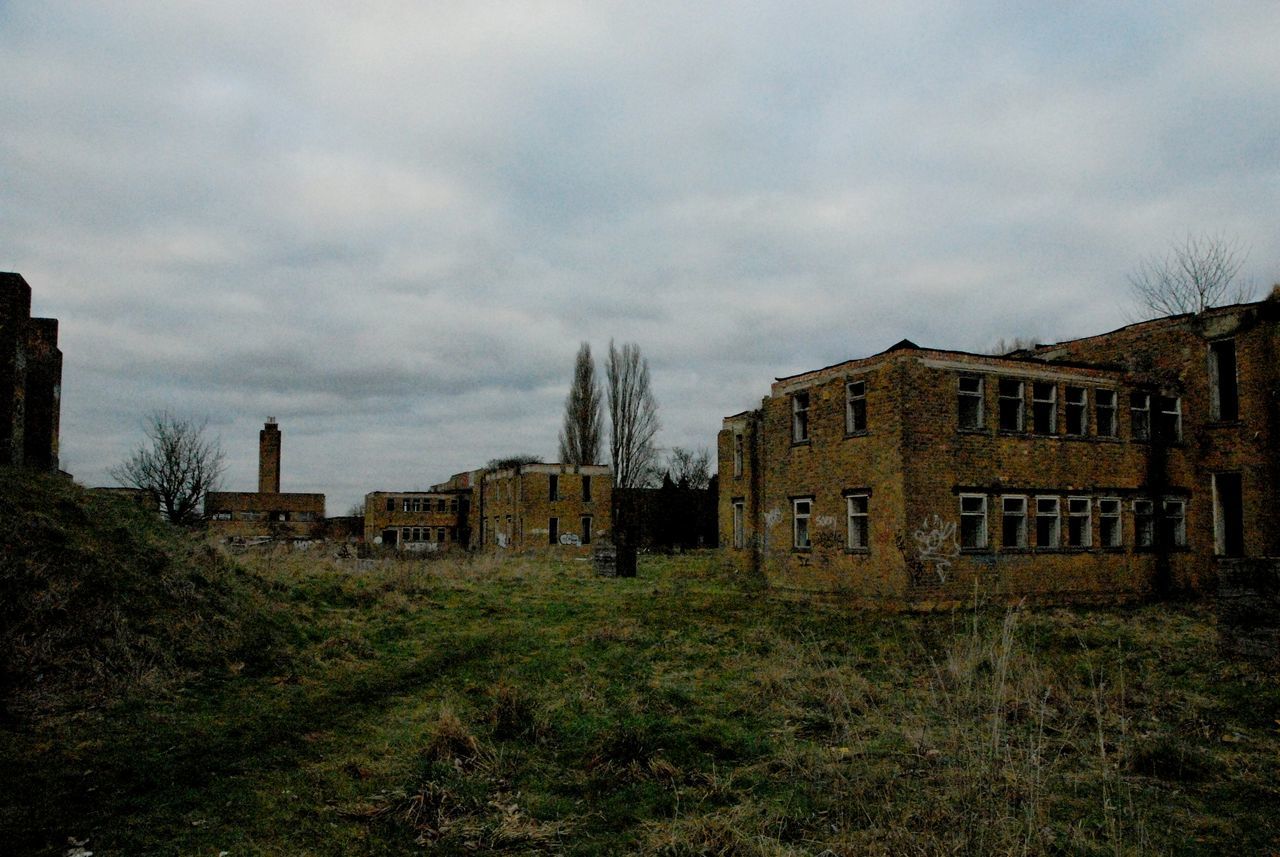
<point x="1228" y="514"/>
<point x="391" y="537"/>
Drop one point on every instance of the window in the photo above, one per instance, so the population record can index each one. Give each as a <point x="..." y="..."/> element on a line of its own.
<point x="1140" y="416"/>
<point x="1109" y="533"/>
<point x="586" y="530"/>
<point x="1011" y="404"/>
<point x="1014" y="525"/>
<point x="1169" y="427"/>
<point x="1175" y="523"/>
<point x="1224" y="395"/>
<point x="799" y="417"/>
<point x="440" y="505"/>
<point x="586" y="489"/>
<point x="973" y="521"/>
<point x="1044" y="407"/>
<point x="739" y="534"/>
<point x="801" y="509"/>
<point x="1048" y="523"/>
<point x="737" y="455"/>
<point x="453" y="504"/>
<point x="970" y="402"/>
<point x="440" y="534"/>
<point x="1228" y="514"/>
<point x="859" y="534"/>
<point x="406" y="505"/>
<point x="855" y="407"/>
<point x="406" y="534"/>
<point x="1077" y="411"/>
<point x="391" y="504"/>
<point x="1105" y="402"/>
<point x="1079" y="522"/>
<point x="553" y="489"/>
<point x="1144" y="524"/>
<point x="553" y="531"/>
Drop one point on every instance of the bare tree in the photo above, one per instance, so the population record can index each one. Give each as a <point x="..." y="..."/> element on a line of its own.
<point x="689" y="468"/>
<point x="583" y="419"/>
<point x="1197" y="273"/>
<point x="177" y="463"/>
<point x="633" y="416"/>
<point x="509" y="461"/>
<point x="1008" y="346"/>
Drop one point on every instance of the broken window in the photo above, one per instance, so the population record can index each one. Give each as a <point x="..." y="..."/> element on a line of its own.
<point x="1048" y="522"/>
<point x="440" y="534"/>
<point x="1109" y="533"/>
<point x="737" y="455"/>
<point x="1044" y="407"/>
<point x="799" y="417"/>
<point x="1224" y="394"/>
<point x="1105" y="402"/>
<point x="586" y="530"/>
<point x="855" y="407"/>
<point x="404" y="507"/>
<point x="1170" y="419"/>
<point x="391" y="504"/>
<point x="973" y="521"/>
<point x="970" y="402"/>
<point x="739" y="513"/>
<point x="1011" y="404"/>
<point x="553" y="531"/>
<point x="553" y="491"/>
<point x="859" y="532"/>
<point x="440" y="505"/>
<point x="1144" y="524"/>
<point x="1079" y="522"/>
<point x="1228" y="514"/>
<point x="801" y="510"/>
<point x="1013" y="532"/>
<point x="1175" y="523"/>
<point x="1140" y="416"/>
<point x="1077" y="411"/>
<point x="453" y="504"/>
<point x="586" y="489"/>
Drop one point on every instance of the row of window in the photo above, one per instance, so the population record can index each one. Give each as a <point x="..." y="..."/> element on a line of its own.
<point x="423" y="534"/>
<point x="502" y="535"/>
<point x="1072" y="419"/>
<point x="553" y="489"/>
<point x="423" y="504"/>
<point x="1024" y="522"/>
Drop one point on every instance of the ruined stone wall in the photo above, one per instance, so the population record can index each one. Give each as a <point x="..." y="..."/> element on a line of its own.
<point x="254" y="514"/>
<point x="30" y="380"/>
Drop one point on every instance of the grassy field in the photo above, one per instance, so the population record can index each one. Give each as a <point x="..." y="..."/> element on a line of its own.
<point x="474" y="706"/>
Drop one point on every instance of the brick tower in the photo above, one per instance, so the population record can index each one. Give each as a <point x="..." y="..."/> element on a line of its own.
<point x="269" y="458"/>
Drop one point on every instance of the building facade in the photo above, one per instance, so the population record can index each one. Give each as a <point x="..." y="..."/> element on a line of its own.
<point x="417" y="520"/>
<point x="1104" y="468"/>
<point x="267" y="512"/>
<point x="30" y="380"/>
<point x="559" y="507"/>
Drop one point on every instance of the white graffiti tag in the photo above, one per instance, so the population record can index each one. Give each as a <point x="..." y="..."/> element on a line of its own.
<point x="936" y="540"/>
<point x="827" y="521"/>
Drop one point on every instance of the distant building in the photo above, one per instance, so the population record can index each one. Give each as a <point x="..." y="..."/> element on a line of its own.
<point x="268" y="511"/>
<point x="1102" y="468"/>
<point x="30" y="380"/>
<point x="417" y="520"/>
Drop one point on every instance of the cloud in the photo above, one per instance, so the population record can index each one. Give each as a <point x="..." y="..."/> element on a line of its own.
<point x="391" y="225"/>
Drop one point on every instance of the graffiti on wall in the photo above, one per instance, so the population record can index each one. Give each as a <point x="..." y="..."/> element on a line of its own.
<point x="936" y="545"/>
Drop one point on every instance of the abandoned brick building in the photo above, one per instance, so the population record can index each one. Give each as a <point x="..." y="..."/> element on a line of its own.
<point x="1103" y="468"/>
<point x="30" y="380"/>
<point x="267" y="511"/>
<point x="558" y="507"/>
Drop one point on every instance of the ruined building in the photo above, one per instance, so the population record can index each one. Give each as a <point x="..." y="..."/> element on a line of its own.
<point x="266" y="512"/>
<point x="558" y="507"/>
<point x="30" y="380"/>
<point x="1104" y="468"/>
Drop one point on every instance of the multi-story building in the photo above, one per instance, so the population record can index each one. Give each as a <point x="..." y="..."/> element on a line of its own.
<point x="1101" y="468"/>
<point x="30" y="380"/>
<point x="417" y="520"/>
<point x="267" y="511"/>
<point x="543" y="506"/>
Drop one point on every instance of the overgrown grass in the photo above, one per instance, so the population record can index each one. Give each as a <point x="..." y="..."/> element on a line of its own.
<point x="525" y="706"/>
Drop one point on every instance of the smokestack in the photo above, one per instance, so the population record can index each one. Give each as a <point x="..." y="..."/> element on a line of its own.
<point x="269" y="458"/>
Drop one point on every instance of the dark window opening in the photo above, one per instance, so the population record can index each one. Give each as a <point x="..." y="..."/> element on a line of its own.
<point x="1225" y="402"/>
<point x="1044" y="407"/>
<point x="1011" y="404"/>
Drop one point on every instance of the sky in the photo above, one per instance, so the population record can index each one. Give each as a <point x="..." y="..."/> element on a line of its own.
<point x="390" y="224"/>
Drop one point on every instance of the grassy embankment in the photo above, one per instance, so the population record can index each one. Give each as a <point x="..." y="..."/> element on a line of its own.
<point x="472" y="706"/>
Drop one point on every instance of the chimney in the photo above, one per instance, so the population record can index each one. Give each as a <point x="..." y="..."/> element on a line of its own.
<point x="269" y="458"/>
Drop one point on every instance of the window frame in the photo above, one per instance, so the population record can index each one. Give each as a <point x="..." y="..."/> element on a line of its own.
<point x="977" y="396"/>
<point x="1144" y="523"/>
<point x="796" y="518"/>
<point x="1020" y="411"/>
<point x="1176" y="536"/>
<point x="1165" y="435"/>
<point x="1020" y="542"/>
<point x="983" y="537"/>
<point x="1077" y="412"/>
<point x="1117" y="525"/>
<point x="1038" y="403"/>
<point x="1140" y="415"/>
<point x="739" y="507"/>
<point x="1082" y="540"/>
<point x="855" y="406"/>
<point x="1055" y="543"/>
<point x="1113" y="427"/>
<point x="800" y="404"/>
<point x="553" y="486"/>
<point x="1216" y="401"/>
<point x="862" y="517"/>
<point x="738" y="455"/>
<point x="586" y="488"/>
<point x="585" y="537"/>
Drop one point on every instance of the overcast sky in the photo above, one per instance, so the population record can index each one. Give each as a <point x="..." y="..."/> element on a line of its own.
<point x="389" y="225"/>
